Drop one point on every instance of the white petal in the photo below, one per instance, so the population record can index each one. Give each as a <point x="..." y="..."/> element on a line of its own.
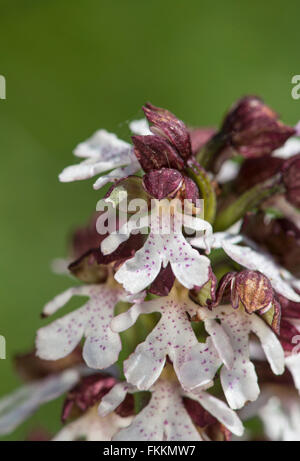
<point x="293" y="364"/>
<point x="221" y="342"/>
<point x="172" y="336"/>
<point x="141" y="270"/>
<point x="103" y="145"/>
<point x="240" y="384"/>
<point x="200" y="365"/>
<point x="63" y="298"/>
<point x="114" y="239"/>
<point x="21" y="404"/>
<point x="140" y="127"/>
<point x="85" y="170"/>
<point x="114" y="398"/>
<point x="216" y="240"/>
<point x="228" y="171"/>
<point x="289" y="149"/>
<point x="164" y="418"/>
<point x="270" y="344"/>
<point x="127" y="319"/>
<point x="117" y="174"/>
<point x="219" y="410"/>
<point x="102" y="345"/>
<point x="264" y="263"/>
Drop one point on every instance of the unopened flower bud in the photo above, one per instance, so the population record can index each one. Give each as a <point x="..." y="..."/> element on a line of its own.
<point x="253" y="128"/>
<point x="155" y="152"/>
<point x="162" y="183"/>
<point x="256" y="170"/>
<point x="253" y="290"/>
<point x="167" y="125"/>
<point x="250" y="129"/>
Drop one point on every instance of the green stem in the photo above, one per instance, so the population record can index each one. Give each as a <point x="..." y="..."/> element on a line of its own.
<point x="210" y="150"/>
<point x="246" y="202"/>
<point x="200" y="177"/>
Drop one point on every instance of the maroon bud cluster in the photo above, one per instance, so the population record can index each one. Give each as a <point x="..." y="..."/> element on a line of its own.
<point x="253" y="129"/>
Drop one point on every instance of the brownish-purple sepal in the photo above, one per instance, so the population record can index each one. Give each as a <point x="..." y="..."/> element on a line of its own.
<point x="85" y="238"/>
<point x="253" y="290"/>
<point x="291" y="180"/>
<point x="31" y="368"/>
<point x="200" y="137"/>
<point x="92" y="267"/>
<point x="155" y="152"/>
<point x="253" y="128"/>
<point x="256" y="170"/>
<point x="164" y="282"/>
<point x="224" y="290"/>
<point x="162" y="183"/>
<point x="191" y="191"/>
<point x="168" y="125"/>
<point x="86" y="394"/>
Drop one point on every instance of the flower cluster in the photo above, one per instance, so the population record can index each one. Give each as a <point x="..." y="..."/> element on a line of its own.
<point x="194" y="299"/>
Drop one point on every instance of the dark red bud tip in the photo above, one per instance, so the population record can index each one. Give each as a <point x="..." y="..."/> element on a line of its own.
<point x="162" y="183"/>
<point x="155" y="152"/>
<point x="253" y="129"/>
<point x="168" y="125"/>
<point x="291" y="180"/>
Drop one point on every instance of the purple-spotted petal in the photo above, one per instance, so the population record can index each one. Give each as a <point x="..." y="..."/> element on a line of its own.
<point x="102" y="346"/>
<point x="166" y="244"/>
<point x="238" y="377"/>
<point x="200" y="366"/>
<point x="103" y="152"/>
<point x="173" y="336"/>
<point x="164" y="418"/>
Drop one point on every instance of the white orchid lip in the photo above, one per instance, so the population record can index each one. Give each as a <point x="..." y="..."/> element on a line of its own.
<point x="165" y="417"/>
<point x="165" y="244"/>
<point x="228" y="344"/>
<point x="102" y="345"/>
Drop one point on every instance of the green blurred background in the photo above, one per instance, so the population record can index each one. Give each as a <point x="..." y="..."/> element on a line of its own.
<point x="73" y="66"/>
